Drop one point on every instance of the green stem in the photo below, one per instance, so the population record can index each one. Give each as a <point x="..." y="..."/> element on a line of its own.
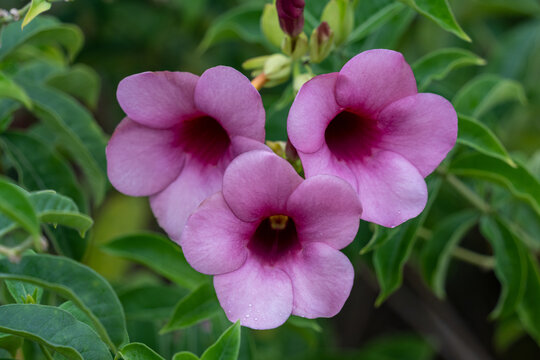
<point x="46" y="352"/>
<point x="468" y="194"/>
<point x="20" y="13"/>
<point x="483" y="261"/>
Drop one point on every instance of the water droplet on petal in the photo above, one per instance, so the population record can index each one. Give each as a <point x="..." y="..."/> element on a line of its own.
<point x="247" y="316"/>
<point x="249" y="305"/>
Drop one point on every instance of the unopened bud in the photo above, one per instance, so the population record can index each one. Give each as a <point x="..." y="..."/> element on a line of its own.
<point x="277" y="69"/>
<point x="270" y="25"/>
<point x="320" y="43"/>
<point x="295" y="47"/>
<point x="255" y="63"/>
<point x="339" y="14"/>
<point x="300" y="80"/>
<point x="291" y="16"/>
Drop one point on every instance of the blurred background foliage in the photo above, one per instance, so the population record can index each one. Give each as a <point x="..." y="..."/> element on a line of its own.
<point x="123" y="37"/>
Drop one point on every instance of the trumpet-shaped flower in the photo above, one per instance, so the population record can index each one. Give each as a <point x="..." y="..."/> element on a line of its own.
<point x="180" y="133"/>
<point x="272" y="241"/>
<point x="368" y="125"/>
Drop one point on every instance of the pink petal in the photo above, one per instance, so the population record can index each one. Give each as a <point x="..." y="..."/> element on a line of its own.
<point x="241" y="144"/>
<point x="390" y="187"/>
<point x="257" y="184"/>
<point x="158" y="99"/>
<point x="173" y="205"/>
<point x="142" y="161"/>
<point x="214" y="240"/>
<point x="260" y="296"/>
<point x="373" y="79"/>
<point x="228" y="96"/>
<point x="322" y="279"/>
<point x="311" y="112"/>
<point x="422" y="128"/>
<point x="325" y="209"/>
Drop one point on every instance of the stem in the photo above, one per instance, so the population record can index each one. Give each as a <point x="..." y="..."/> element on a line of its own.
<point x="46" y="352"/>
<point x="259" y="81"/>
<point x="483" y="261"/>
<point x="468" y="194"/>
<point x="20" y="13"/>
<point x="14" y="252"/>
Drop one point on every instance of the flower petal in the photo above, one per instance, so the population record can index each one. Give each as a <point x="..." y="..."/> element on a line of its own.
<point x="158" y="99"/>
<point x="422" y="128"/>
<point x="241" y="144"/>
<point x="373" y="79"/>
<point x="322" y="279"/>
<point x="260" y="296"/>
<point x="214" y="240"/>
<point x="325" y="209"/>
<point x="312" y="110"/>
<point x="257" y="184"/>
<point x="390" y="187"/>
<point x="228" y="96"/>
<point x="176" y="203"/>
<point x="136" y="153"/>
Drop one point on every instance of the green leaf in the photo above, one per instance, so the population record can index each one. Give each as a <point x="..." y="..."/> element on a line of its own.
<point x="36" y="7"/>
<point x="528" y="310"/>
<point x="402" y="347"/>
<point x="54" y="328"/>
<point x="227" y="347"/>
<point x="10" y="343"/>
<point x="440" y="12"/>
<point x="195" y="307"/>
<point x="22" y="292"/>
<point x="26" y="151"/>
<point x="80" y="81"/>
<point x="510" y="265"/>
<point x="390" y="257"/>
<point x="159" y="254"/>
<point x="518" y="180"/>
<point x="15" y="204"/>
<point x="138" y="351"/>
<point x="43" y="30"/>
<point x="150" y="302"/>
<point x="8" y="89"/>
<point x="242" y="22"/>
<point x="270" y="25"/>
<point x="484" y="92"/>
<point x="379" y="237"/>
<point x="304" y="323"/>
<point x="75" y="282"/>
<point x="77" y="313"/>
<point x="78" y="131"/>
<point x="437" y="252"/>
<point x="438" y="64"/>
<point x="185" y="355"/>
<point x="374" y="22"/>
<point x="476" y="135"/>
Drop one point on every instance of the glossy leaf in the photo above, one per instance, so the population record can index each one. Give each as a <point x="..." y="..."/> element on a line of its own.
<point x="374" y="22"/>
<point x="440" y="12"/>
<point x="185" y="355"/>
<point x="195" y="307"/>
<point x="484" y="92"/>
<point x="159" y="254"/>
<point x="518" y="180"/>
<point x="437" y="251"/>
<point x="8" y="89"/>
<point x="226" y="347"/>
<point x="16" y="205"/>
<point x="528" y="310"/>
<point x="22" y="292"/>
<point x="138" y="351"/>
<point x="438" y="64"/>
<point x="476" y="135"/>
<point x="36" y="7"/>
<point x="54" y="328"/>
<point x="75" y="282"/>
<point x="510" y="265"/>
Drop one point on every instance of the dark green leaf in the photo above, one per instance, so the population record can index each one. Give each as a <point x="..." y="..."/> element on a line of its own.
<point x="528" y="310"/>
<point x="21" y="291"/>
<point x="77" y="313"/>
<point x="80" y="81"/>
<point x="150" y="302"/>
<point x="138" y="351"/>
<point x="185" y="355"/>
<point x="226" y="347"/>
<point x="159" y="254"/>
<point x="374" y="22"/>
<point x="15" y="204"/>
<point x="54" y="328"/>
<point x="10" y="343"/>
<point x="8" y="89"/>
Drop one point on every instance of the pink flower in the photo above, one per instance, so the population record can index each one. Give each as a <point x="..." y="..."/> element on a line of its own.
<point x="291" y="16"/>
<point x="272" y="239"/>
<point x="180" y="133"/>
<point x="368" y="125"/>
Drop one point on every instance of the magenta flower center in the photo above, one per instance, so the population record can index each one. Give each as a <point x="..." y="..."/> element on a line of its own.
<point x="204" y="138"/>
<point x="274" y="238"/>
<point x="351" y="136"/>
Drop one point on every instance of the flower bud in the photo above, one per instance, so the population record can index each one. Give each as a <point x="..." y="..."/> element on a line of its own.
<point x="270" y="25"/>
<point x="277" y="69"/>
<point x="339" y="14"/>
<point x="300" y="80"/>
<point x="295" y="47"/>
<point x="255" y="63"/>
<point x="320" y="43"/>
<point x="291" y="16"/>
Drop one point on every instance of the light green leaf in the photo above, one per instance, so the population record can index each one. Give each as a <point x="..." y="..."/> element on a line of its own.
<point x="54" y="328"/>
<point x="75" y="282"/>
<point x="390" y="257"/>
<point x="476" y="135"/>
<point x="518" y="180"/>
<point x="8" y="89"/>
<point x="195" y="307"/>
<point x="438" y="64"/>
<point x="43" y="30"/>
<point x="528" y="310"/>
<point x="80" y="81"/>
<point x="36" y="7"/>
<point x="484" y="92"/>
<point x="185" y="355"/>
<point x="159" y="254"/>
<point x="138" y="351"/>
<point x="440" y="12"/>
<point x="374" y="22"/>
<point x="226" y="347"/>
<point x="15" y="204"/>
<point x="437" y="252"/>
<point x="22" y="292"/>
<point x="150" y="302"/>
<point x="510" y="265"/>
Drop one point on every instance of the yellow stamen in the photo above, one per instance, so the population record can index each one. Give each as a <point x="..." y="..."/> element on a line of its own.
<point x="278" y="222"/>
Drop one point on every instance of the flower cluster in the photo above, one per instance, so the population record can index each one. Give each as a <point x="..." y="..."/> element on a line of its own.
<point x="195" y="145"/>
